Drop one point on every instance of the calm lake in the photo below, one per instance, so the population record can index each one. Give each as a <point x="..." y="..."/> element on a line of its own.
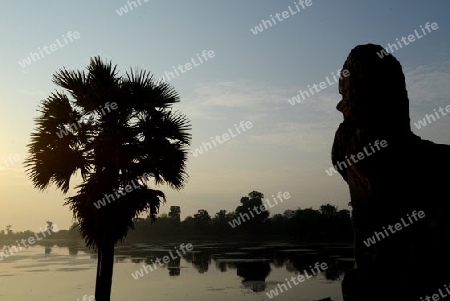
<point x="209" y="272"/>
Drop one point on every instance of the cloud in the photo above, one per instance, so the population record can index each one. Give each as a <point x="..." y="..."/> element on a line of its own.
<point x="253" y="99"/>
<point x="306" y="137"/>
<point x="239" y="94"/>
<point x="307" y="126"/>
<point x="429" y="83"/>
<point x="11" y="172"/>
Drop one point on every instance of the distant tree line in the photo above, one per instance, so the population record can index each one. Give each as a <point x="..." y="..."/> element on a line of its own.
<point x="327" y="224"/>
<point x="8" y="235"/>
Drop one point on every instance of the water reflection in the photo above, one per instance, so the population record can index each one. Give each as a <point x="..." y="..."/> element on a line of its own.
<point x="73" y="250"/>
<point x="137" y="260"/>
<point x="253" y="263"/>
<point x="174" y="267"/>
<point x="254" y="274"/>
<point x="200" y="260"/>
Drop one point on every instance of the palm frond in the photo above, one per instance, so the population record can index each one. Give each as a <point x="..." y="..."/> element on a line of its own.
<point x="111" y="151"/>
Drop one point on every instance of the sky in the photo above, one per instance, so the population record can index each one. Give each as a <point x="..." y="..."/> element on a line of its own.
<point x="243" y="78"/>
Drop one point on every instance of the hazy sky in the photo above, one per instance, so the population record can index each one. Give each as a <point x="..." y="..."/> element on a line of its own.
<point x="250" y="78"/>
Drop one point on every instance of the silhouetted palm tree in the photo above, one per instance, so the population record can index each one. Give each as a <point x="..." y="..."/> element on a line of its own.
<point x="111" y="131"/>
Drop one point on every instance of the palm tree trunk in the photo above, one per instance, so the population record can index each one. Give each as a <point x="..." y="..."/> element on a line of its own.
<point x="97" y="277"/>
<point x="105" y="266"/>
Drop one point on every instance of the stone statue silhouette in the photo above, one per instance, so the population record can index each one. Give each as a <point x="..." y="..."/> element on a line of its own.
<point x="391" y="186"/>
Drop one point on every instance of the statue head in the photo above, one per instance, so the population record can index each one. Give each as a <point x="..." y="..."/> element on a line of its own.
<point x="374" y="94"/>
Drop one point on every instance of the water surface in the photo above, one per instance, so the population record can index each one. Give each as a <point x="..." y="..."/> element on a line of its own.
<point x="212" y="271"/>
